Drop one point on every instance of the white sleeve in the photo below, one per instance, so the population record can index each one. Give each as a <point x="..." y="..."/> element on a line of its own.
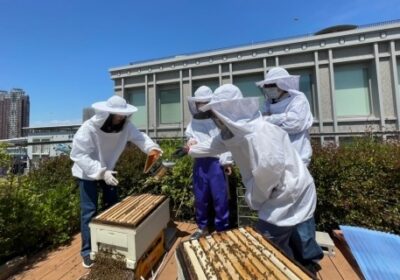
<point x="82" y="147"/>
<point x="211" y="148"/>
<point x="140" y="139"/>
<point x="296" y="119"/>
<point x="226" y="158"/>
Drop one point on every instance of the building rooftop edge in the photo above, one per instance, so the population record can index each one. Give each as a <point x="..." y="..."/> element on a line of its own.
<point x="51" y="126"/>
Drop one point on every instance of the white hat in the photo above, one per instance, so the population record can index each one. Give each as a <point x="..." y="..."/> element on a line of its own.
<point x="115" y="105"/>
<point x="223" y="93"/>
<point x="281" y="78"/>
<point x="202" y="94"/>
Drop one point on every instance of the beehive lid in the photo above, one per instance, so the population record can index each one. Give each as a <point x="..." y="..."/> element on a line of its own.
<point x="236" y="254"/>
<point x="131" y="211"/>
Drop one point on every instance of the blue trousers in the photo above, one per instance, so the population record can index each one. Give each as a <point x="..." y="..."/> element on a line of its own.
<point x="209" y="186"/>
<point x="305" y="247"/>
<point x="88" y="204"/>
<point x="280" y="236"/>
<point x="297" y="241"/>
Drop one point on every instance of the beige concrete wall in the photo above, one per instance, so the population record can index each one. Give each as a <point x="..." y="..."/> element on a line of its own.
<point x="247" y="65"/>
<point x="152" y="106"/>
<point x="134" y="80"/>
<point x="352" y="51"/>
<point x="324" y="94"/>
<point x="186" y="112"/>
<point x="387" y="91"/>
<point x="226" y="80"/>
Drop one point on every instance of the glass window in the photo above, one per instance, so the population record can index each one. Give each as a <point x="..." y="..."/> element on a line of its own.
<point x="169" y="105"/>
<point x="247" y="85"/>
<point x="211" y="83"/>
<point x="352" y="91"/>
<point x="36" y="148"/>
<point x="46" y="147"/>
<point x="306" y="85"/>
<point x="137" y="98"/>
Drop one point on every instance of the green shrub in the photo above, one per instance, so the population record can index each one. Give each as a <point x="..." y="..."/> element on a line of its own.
<point x="39" y="209"/>
<point x="358" y="184"/>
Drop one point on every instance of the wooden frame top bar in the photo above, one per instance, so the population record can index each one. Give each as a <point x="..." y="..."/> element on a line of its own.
<point x="130" y="211"/>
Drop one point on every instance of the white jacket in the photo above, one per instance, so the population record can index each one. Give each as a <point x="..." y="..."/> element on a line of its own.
<point x="277" y="182"/>
<point x="94" y="151"/>
<point x="293" y="115"/>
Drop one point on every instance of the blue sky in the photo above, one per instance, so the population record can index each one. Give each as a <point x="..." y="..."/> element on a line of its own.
<point x="59" y="51"/>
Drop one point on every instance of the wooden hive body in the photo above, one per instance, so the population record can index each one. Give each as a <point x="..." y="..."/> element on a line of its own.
<point x="235" y="254"/>
<point x="130" y="227"/>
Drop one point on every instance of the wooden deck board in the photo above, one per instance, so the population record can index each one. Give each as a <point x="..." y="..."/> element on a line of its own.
<point x="65" y="262"/>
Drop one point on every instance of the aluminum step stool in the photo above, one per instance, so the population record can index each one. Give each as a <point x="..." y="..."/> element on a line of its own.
<point x="326" y="243"/>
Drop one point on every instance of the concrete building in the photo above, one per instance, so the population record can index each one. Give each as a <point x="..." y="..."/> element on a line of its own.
<point x="350" y="76"/>
<point x="14" y="113"/>
<point x="49" y="141"/>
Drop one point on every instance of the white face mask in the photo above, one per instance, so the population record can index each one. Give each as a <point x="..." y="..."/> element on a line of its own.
<point x="271" y="93"/>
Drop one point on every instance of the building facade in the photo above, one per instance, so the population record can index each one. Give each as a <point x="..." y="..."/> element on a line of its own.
<point x="49" y="141"/>
<point x="351" y="79"/>
<point x="14" y="113"/>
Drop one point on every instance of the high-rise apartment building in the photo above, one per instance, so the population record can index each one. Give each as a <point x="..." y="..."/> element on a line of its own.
<point x="14" y="113"/>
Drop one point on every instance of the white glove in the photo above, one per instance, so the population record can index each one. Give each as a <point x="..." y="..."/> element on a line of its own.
<point x="109" y="178"/>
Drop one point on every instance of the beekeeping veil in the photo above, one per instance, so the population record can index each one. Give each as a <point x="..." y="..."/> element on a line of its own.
<point x="236" y="112"/>
<point x="281" y="78"/>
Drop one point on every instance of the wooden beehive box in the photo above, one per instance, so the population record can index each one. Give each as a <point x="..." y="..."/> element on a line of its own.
<point x="130" y="227"/>
<point x="235" y="254"/>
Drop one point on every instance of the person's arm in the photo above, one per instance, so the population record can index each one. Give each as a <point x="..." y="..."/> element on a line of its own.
<point x="190" y="135"/>
<point x="82" y="147"/>
<point x="210" y="148"/>
<point x="226" y="160"/>
<point x="140" y="139"/>
<point x="296" y="120"/>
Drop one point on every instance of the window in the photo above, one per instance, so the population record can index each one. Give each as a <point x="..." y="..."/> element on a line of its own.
<point x="306" y="85"/>
<point x="212" y="84"/>
<point x="36" y="148"/>
<point x="352" y="92"/>
<point x="247" y="85"/>
<point x="169" y="105"/>
<point x="45" y="147"/>
<point x="137" y="98"/>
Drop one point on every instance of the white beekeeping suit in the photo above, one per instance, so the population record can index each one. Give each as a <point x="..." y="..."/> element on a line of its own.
<point x="291" y="112"/>
<point x="277" y="182"/>
<point x="94" y="151"/>
<point x="202" y="128"/>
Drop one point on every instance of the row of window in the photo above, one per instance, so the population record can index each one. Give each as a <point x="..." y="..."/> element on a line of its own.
<point x="353" y="93"/>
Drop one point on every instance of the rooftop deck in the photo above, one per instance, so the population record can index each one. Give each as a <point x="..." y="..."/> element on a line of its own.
<point x="65" y="262"/>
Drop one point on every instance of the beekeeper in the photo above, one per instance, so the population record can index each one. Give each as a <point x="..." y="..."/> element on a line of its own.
<point x="278" y="184"/>
<point x="96" y="148"/>
<point x="288" y="108"/>
<point x="209" y="181"/>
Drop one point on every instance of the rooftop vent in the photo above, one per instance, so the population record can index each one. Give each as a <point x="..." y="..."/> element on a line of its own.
<point x="336" y="28"/>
